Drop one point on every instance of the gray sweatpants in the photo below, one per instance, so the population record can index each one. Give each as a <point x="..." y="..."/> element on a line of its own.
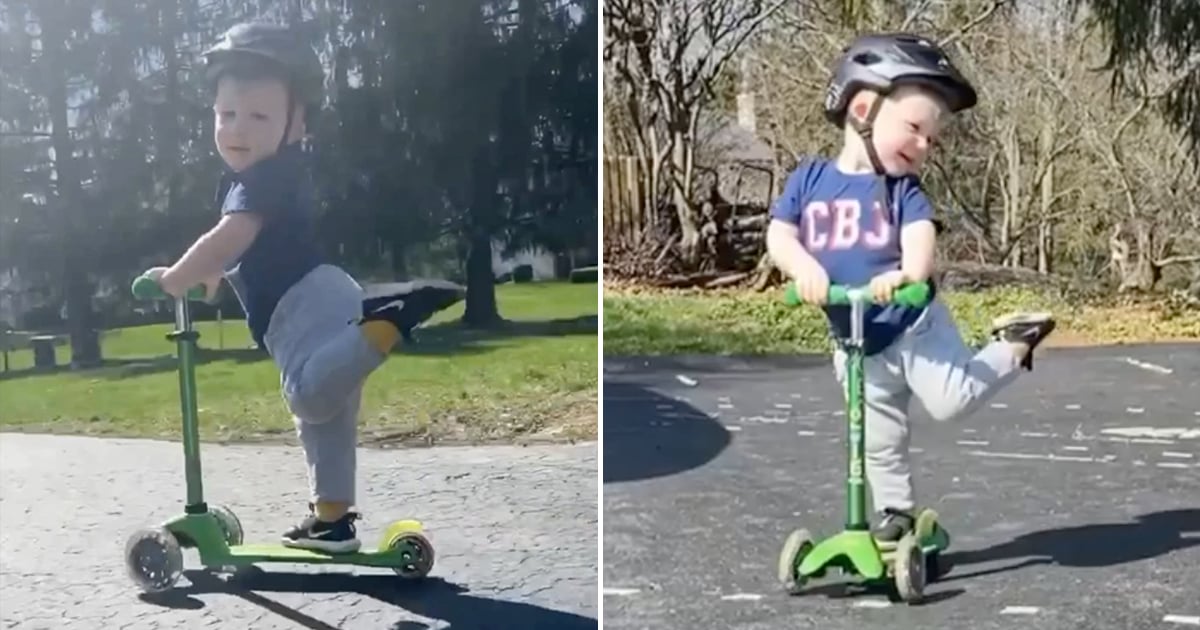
<point x="932" y="362"/>
<point x="323" y="360"/>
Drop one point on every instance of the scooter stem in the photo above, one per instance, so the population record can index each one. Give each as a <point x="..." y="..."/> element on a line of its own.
<point x="185" y="338"/>
<point x="856" y="500"/>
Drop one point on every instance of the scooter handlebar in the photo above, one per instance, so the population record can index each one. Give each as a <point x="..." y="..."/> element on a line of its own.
<point x="914" y="295"/>
<point x="146" y="288"/>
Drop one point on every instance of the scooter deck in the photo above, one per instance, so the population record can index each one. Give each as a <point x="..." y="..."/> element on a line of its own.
<point x="256" y="553"/>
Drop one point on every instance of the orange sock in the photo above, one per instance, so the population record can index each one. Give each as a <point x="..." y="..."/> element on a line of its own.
<point x="381" y="335"/>
<point x="330" y="512"/>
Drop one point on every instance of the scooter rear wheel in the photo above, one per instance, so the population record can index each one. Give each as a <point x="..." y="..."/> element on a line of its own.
<point x="908" y="568"/>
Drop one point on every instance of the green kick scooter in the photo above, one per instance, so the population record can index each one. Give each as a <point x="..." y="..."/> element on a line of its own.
<point x="154" y="557"/>
<point x="854" y="551"/>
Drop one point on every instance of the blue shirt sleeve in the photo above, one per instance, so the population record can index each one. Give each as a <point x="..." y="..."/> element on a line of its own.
<point x="911" y="203"/>
<point x="789" y="206"/>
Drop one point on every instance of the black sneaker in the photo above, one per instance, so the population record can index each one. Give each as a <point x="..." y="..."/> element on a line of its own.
<point x="893" y="526"/>
<point x="312" y="533"/>
<point x="407" y="304"/>
<point x="1027" y="328"/>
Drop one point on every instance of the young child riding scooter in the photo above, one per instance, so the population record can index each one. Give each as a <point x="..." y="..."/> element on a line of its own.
<point x="861" y="219"/>
<point x="324" y="332"/>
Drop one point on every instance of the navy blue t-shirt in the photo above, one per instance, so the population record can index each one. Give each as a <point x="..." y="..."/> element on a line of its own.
<point x="845" y="226"/>
<point x="278" y="188"/>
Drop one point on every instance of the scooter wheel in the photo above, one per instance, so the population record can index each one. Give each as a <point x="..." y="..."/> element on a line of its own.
<point x="909" y="569"/>
<point x="417" y="552"/>
<point x="153" y="559"/>
<point x="798" y="545"/>
<point x="230" y="525"/>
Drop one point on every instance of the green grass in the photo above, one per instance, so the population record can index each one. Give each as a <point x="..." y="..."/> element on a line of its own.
<point x="535" y="379"/>
<point x="639" y="321"/>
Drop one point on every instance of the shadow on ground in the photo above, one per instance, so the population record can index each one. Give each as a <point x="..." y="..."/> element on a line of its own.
<point x="431" y="598"/>
<point x="1088" y="546"/>
<point x="455" y="338"/>
<point x="449" y="338"/>
<point x="647" y="434"/>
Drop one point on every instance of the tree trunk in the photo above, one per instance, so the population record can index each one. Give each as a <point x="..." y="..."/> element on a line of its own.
<point x="1045" y="230"/>
<point x="481" y="284"/>
<point x="689" y="228"/>
<point x="85" y="348"/>
<point x="398" y="262"/>
<point x="1011" y="224"/>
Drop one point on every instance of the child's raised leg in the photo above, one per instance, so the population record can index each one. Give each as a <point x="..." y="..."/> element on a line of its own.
<point x="952" y="380"/>
<point x="327" y="336"/>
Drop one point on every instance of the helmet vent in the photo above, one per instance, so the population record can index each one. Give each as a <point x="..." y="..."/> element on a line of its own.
<point x="867" y="58"/>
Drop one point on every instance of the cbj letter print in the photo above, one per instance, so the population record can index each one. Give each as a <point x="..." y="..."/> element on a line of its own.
<point x="840" y="226"/>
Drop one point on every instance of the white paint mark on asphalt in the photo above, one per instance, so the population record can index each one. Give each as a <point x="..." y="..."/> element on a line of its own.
<point x="742" y="597"/>
<point x="1051" y="457"/>
<point x="806" y="433"/>
<point x="872" y="603"/>
<point x="1073" y="406"/>
<point x="1173" y="465"/>
<point x="1020" y="610"/>
<point x="764" y="419"/>
<point x="783" y="405"/>
<point x="1171" y="433"/>
<point x="1177" y="455"/>
<point x="621" y="591"/>
<point x="999" y="406"/>
<point x="686" y="380"/>
<point x="797" y="396"/>
<point x="1151" y="441"/>
<point x="1148" y="366"/>
<point x="724" y="406"/>
<point x="1135" y="410"/>
<point x="1075" y="448"/>
<point x="1034" y="434"/>
<point x="970" y="431"/>
<point x="1138" y="462"/>
<point x="1186" y="620"/>
<point x="732" y="427"/>
<point x="972" y="442"/>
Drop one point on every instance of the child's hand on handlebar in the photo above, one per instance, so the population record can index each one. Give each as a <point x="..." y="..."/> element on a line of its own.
<point x="813" y="285"/>
<point x="211" y="286"/>
<point x="885" y="285"/>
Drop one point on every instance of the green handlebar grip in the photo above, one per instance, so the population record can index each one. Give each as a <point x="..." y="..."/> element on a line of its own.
<point x="146" y="288"/>
<point x="914" y="295"/>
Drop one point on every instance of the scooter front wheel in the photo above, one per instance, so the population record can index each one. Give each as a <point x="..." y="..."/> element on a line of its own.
<point x="153" y="559"/>
<point x="797" y="546"/>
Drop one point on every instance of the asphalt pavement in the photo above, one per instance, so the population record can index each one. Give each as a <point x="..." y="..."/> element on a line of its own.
<point x="1073" y="498"/>
<point x="514" y="529"/>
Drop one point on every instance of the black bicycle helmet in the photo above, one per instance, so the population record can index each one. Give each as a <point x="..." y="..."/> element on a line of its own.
<point x="884" y="61"/>
<point x="273" y="49"/>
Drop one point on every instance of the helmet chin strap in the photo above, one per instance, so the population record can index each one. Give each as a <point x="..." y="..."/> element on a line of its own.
<point x="865" y="127"/>
<point x="287" y="126"/>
